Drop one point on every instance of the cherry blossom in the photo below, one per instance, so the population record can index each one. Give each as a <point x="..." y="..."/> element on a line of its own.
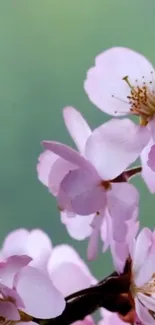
<point x="27" y="292"/>
<point x="141" y="271"/>
<point x="142" y="276"/>
<point x="81" y="180"/>
<point x="123" y="82"/>
<point x="62" y="262"/>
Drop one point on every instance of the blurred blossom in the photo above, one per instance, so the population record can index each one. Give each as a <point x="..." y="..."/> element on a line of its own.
<point x="27" y="291"/>
<point x="58" y="263"/>
<point x="83" y="182"/>
<point x="123" y="82"/>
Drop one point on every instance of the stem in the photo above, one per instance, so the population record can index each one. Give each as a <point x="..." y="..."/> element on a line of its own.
<point x="107" y="293"/>
<point x="127" y="175"/>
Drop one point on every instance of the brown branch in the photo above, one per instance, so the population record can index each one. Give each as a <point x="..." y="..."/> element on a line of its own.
<point x="107" y="293"/>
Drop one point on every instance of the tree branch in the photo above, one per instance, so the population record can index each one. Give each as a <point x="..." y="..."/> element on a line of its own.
<point x="108" y="293"/>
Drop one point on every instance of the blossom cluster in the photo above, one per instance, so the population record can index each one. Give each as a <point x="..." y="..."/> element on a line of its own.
<point x="96" y="201"/>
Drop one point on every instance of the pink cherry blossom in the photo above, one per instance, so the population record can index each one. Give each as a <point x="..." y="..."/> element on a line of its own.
<point x="34" y="243"/>
<point x="142" y="282"/>
<point x="123" y="82"/>
<point x="25" y="288"/>
<point x="62" y="261"/>
<point x="84" y="177"/>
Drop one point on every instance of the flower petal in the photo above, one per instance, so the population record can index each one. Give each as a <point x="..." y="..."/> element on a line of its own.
<point x="12" y="243"/>
<point x="141" y="248"/>
<point x="94" y="238"/>
<point x="9" y="311"/>
<point x="84" y="190"/>
<point x="58" y="171"/>
<point x="151" y="128"/>
<point x="67" y="153"/>
<point x="12" y="295"/>
<point x="143" y="313"/>
<point x="147" y="173"/>
<point x="77" y="127"/>
<point x="41" y="298"/>
<point x="116" y="144"/>
<point x="148" y="302"/>
<point x="46" y="161"/>
<point x="11" y="266"/>
<point x="78" y="227"/>
<point x="39" y="247"/>
<point x="104" y="84"/>
<point x="147" y="269"/>
<point x="151" y="158"/>
<point x="66" y="264"/>
<point x="123" y="200"/>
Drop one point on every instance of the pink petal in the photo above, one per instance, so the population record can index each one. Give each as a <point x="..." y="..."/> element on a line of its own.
<point x="147" y="269"/>
<point x="143" y="313"/>
<point x="151" y="128"/>
<point x="12" y="243"/>
<point x="12" y="295"/>
<point x="120" y="248"/>
<point x="141" y="248"/>
<point x="39" y="247"/>
<point x="106" y="230"/>
<point x="66" y="264"/>
<point x="77" y="127"/>
<point x="151" y="158"/>
<point x="41" y="298"/>
<point x="148" y="302"/>
<point x="9" y="311"/>
<point x="147" y="174"/>
<point x="82" y="187"/>
<point x="94" y="238"/>
<point x="59" y="170"/>
<point x="67" y="153"/>
<point x="104" y="84"/>
<point x="116" y="144"/>
<point x="78" y="227"/>
<point x="86" y="321"/>
<point x="46" y="161"/>
<point x="123" y="200"/>
<point x="11" y="266"/>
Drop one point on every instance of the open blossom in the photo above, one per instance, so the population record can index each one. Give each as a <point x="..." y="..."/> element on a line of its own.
<point x="123" y="82"/>
<point x="141" y="276"/>
<point x="82" y="181"/>
<point x="26" y="292"/>
<point x="62" y="263"/>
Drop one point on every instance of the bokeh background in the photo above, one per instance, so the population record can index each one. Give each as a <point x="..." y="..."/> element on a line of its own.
<point x="46" y="48"/>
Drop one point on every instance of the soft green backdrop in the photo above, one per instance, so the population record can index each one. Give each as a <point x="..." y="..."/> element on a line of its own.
<point x="46" y="47"/>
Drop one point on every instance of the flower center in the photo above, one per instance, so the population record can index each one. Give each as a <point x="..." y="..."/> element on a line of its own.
<point x="105" y="184"/>
<point x="148" y="288"/>
<point x="141" y="99"/>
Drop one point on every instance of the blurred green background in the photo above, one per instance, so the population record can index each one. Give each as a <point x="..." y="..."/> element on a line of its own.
<point x="46" y="47"/>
